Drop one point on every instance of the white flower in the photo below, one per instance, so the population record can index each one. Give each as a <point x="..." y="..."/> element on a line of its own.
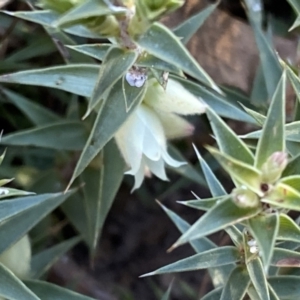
<point x="142" y="139"/>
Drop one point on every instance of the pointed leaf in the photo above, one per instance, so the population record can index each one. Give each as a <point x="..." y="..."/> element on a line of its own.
<point x="283" y="196"/>
<point x="167" y="294"/>
<point x="48" y="291"/>
<point x="21" y="222"/>
<point x="88" y="9"/>
<point x="13" y="288"/>
<point x="108" y="121"/>
<point x="42" y="261"/>
<point x="9" y="192"/>
<point x="296" y="5"/>
<point x="222" y="215"/>
<point x="260" y="119"/>
<point x="203" y="204"/>
<point x="288" y="229"/>
<point x="228" y="142"/>
<point x="36" y="113"/>
<point x="215" y="186"/>
<point x="269" y="62"/>
<point x="115" y="64"/>
<point x="292" y="181"/>
<point x="171" y="50"/>
<point x="272" y="138"/>
<point x="217" y="274"/>
<point x="207" y="259"/>
<point x="97" y="51"/>
<point x="259" y="92"/>
<point x="265" y="238"/>
<point x="236" y="285"/>
<point x="285" y="258"/>
<point x="258" y="278"/>
<point x="77" y="79"/>
<point x="64" y="135"/>
<point x="189" y="27"/>
<point x="242" y="172"/>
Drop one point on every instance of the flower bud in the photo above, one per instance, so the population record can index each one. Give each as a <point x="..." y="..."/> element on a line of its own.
<point x="244" y="197"/>
<point x="274" y="166"/>
<point x="18" y="258"/>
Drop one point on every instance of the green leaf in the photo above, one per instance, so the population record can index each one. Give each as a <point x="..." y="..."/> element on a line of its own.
<point x="78" y="79"/>
<point x="259" y="118"/>
<point x="9" y="192"/>
<point x="272" y="138"/>
<point x="18" y="218"/>
<point x="258" y="278"/>
<point x="228" y="142"/>
<point x="97" y="51"/>
<point x="47" y="18"/>
<point x="214" y="294"/>
<point x="207" y="259"/>
<point x="236" y="285"/>
<point x="189" y="27"/>
<point x="259" y="93"/>
<point x="220" y="216"/>
<point x="265" y="238"/>
<point x="296" y="24"/>
<point x="296" y="5"/>
<point x="167" y="294"/>
<point x="217" y="102"/>
<point x="292" y="181"/>
<point x="288" y="229"/>
<point x="203" y="204"/>
<point x="162" y="43"/>
<point x="115" y="64"/>
<point x="217" y="274"/>
<point x="13" y="288"/>
<point x="108" y="121"/>
<point x="269" y="62"/>
<point x="65" y="135"/>
<point x="48" y="291"/>
<point x="286" y="287"/>
<point x="283" y="196"/>
<point x="215" y="186"/>
<point x="36" y="113"/>
<point x="285" y="258"/>
<point x="88" y="9"/>
<point x="100" y="189"/>
<point x="240" y="171"/>
<point x="42" y="261"/>
<point x="293" y="167"/>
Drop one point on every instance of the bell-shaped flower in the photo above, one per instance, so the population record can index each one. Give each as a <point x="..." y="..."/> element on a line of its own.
<point x="142" y="139"/>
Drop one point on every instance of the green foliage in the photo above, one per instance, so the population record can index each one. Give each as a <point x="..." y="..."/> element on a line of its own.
<point x="115" y="107"/>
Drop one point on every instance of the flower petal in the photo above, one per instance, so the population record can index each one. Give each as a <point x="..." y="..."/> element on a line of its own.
<point x="175" y="126"/>
<point x="174" y="99"/>
<point x="171" y="161"/>
<point x="157" y="168"/>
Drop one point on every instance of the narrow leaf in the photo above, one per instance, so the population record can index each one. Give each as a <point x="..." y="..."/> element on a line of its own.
<point x="36" y="113"/>
<point x="286" y="287"/>
<point x="203" y="204"/>
<point x="272" y="138"/>
<point x="221" y="215"/>
<point x="171" y="50"/>
<point x="189" y="27"/>
<point x="214" y="294"/>
<point x="265" y="238"/>
<point x="16" y="226"/>
<point x="77" y="79"/>
<point x="49" y="291"/>
<point x="115" y="64"/>
<point x="9" y="192"/>
<point x="288" y="229"/>
<point x="258" y="278"/>
<point x="285" y="258"/>
<point x="207" y="259"/>
<point x="215" y="186"/>
<point x="167" y="294"/>
<point x="228" y="142"/>
<point x="42" y="261"/>
<point x="64" y="135"/>
<point x="13" y="288"/>
<point x="236" y="285"/>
